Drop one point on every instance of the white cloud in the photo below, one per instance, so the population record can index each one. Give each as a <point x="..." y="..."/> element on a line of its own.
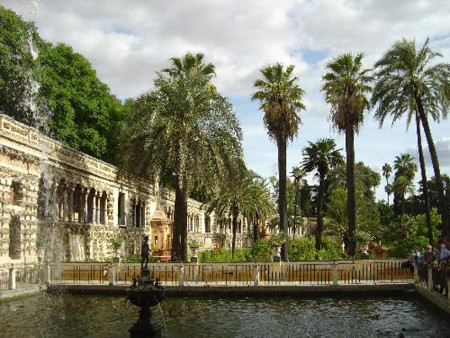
<point x="127" y="41"/>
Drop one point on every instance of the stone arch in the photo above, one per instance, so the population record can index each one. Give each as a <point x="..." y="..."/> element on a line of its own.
<point x="103" y="207"/>
<point x="207" y="224"/>
<point x="16" y="193"/>
<point x="196" y="223"/>
<point x="90" y="205"/>
<point x="77" y="203"/>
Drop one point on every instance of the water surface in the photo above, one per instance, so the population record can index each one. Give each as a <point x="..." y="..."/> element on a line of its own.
<point x="102" y="316"/>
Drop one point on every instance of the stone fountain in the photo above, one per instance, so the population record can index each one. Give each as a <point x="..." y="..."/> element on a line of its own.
<point x="145" y="293"/>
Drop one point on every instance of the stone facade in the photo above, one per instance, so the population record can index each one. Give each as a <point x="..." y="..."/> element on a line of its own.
<point x="59" y="204"/>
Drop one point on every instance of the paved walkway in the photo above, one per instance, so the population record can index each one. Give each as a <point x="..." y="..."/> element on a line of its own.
<point x="27" y="290"/>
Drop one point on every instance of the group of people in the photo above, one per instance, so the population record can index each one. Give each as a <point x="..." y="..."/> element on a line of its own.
<point x="438" y="258"/>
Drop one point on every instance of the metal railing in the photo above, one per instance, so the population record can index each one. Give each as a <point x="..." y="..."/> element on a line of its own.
<point x="20" y="276"/>
<point x="237" y="274"/>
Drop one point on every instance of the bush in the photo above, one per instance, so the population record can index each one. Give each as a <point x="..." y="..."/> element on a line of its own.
<point x="224" y="256"/>
<point x="261" y="251"/>
<point x="403" y="247"/>
<point x="302" y="249"/>
<point x="330" y="250"/>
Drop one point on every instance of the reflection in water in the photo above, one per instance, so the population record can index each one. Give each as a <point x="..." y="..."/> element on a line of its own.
<point x="94" y="316"/>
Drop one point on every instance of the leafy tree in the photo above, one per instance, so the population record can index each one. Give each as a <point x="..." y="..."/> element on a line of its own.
<point x="84" y="114"/>
<point x="281" y="100"/>
<point x="19" y="44"/>
<point x="337" y="217"/>
<point x="407" y="77"/>
<point x="184" y="127"/>
<point x="321" y="156"/>
<point x="366" y="179"/>
<point x="346" y="86"/>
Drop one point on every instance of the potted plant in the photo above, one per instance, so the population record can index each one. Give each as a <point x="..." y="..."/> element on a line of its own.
<point x="277" y="241"/>
<point x="194" y="249"/>
<point x="117" y="243"/>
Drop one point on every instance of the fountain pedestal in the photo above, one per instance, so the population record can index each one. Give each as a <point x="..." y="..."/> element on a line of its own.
<point x="145" y="293"/>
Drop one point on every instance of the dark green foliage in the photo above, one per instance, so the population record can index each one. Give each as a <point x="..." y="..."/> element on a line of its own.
<point x="303" y="249"/>
<point x="261" y="251"/>
<point x="17" y="67"/>
<point x="56" y="90"/>
<point x="225" y="256"/>
<point x="84" y="114"/>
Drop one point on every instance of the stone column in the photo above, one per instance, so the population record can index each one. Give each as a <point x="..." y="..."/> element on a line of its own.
<point x="111" y="274"/>
<point x="85" y="211"/>
<point x="70" y="192"/>
<point x="97" y="207"/>
<point x="430" y="278"/>
<point x="12" y="278"/>
<point x="181" y="275"/>
<point x="335" y="273"/>
<point x="256" y="275"/>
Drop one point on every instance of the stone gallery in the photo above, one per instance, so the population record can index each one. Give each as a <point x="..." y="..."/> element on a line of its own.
<point x="58" y="204"/>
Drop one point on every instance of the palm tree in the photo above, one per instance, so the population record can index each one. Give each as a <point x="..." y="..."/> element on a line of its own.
<point x="321" y="156"/>
<point x="407" y="77"/>
<point x="186" y="128"/>
<point x="405" y="170"/>
<point x="387" y="171"/>
<point x="281" y="100"/>
<point x="346" y="86"/>
<point x="244" y="197"/>
<point x="423" y="173"/>
<point x="298" y="174"/>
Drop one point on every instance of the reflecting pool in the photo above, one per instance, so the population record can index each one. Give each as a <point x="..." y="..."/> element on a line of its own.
<point x="107" y="316"/>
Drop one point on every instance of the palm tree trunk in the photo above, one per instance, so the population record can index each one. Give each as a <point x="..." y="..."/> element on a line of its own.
<point x="282" y="209"/>
<point x="179" y="238"/>
<point x="235" y="224"/>
<point x="295" y="214"/>
<point x="442" y="205"/>
<point x="319" y="228"/>
<point x="351" y="198"/>
<point x="423" y="173"/>
<point x="256" y="228"/>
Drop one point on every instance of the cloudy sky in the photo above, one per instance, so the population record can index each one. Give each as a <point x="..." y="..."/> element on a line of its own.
<point x="127" y="41"/>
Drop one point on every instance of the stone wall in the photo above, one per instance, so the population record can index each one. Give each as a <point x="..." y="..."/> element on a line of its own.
<point x="59" y="204"/>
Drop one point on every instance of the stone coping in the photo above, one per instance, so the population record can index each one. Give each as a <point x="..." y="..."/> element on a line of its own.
<point x="269" y="290"/>
<point x="29" y="290"/>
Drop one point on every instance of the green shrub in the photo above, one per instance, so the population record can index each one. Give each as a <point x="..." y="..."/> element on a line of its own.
<point x="224" y="256"/>
<point x="403" y="247"/>
<point x="330" y="250"/>
<point x="302" y="249"/>
<point x="261" y="251"/>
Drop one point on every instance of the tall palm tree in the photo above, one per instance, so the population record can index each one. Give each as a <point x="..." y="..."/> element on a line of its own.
<point x="408" y="75"/>
<point x="387" y="171"/>
<point x="298" y="174"/>
<point x="346" y="87"/>
<point x="281" y="100"/>
<point x="405" y="170"/>
<point x="423" y="173"/>
<point x="321" y="156"/>
<point x="184" y="127"/>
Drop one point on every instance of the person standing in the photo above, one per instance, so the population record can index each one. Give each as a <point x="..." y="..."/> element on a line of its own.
<point x="145" y="252"/>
